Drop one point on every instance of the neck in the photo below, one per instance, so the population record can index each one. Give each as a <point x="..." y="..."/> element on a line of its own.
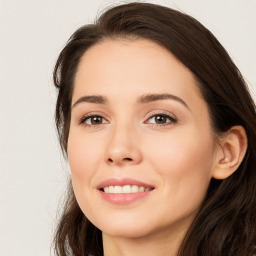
<point x="152" y="245"/>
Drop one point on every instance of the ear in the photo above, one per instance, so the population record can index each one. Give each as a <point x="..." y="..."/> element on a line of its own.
<point x="230" y="153"/>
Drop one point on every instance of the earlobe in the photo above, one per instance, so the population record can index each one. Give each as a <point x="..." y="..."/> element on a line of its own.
<point x="231" y="151"/>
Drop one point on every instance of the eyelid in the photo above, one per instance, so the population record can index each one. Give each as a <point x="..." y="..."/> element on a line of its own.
<point x="173" y="118"/>
<point x="81" y="121"/>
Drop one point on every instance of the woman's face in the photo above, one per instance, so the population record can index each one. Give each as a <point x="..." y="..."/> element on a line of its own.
<point x="140" y="131"/>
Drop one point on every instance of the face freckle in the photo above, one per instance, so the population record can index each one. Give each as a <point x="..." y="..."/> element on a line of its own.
<point x="153" y="128"/>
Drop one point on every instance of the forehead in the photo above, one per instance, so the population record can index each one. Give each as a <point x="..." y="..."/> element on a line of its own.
<point x="132" y="66"/>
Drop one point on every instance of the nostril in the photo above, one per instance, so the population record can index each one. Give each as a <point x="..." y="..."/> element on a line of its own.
<point x="127" y="159"/>
<point x="117" y="160"/>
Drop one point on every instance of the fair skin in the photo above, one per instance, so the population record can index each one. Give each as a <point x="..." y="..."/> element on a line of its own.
<point x="163" y="141"/>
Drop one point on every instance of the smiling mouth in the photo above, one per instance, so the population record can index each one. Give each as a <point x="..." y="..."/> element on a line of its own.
<point x="126" y="189"/>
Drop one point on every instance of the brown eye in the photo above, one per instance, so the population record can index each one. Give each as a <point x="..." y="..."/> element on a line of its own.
<point x="93" y="120"/>
<point x="161" y="119"/>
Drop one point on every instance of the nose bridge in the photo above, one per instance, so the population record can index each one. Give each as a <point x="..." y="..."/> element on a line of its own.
<point x="123" y="147"/>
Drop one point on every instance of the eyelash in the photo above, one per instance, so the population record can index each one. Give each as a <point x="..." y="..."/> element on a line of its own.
<point x="83" y="120"/>
<point x="172" y="119"/>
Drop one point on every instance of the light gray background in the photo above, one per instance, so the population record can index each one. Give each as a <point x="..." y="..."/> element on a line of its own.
<point x="32" y="172"/>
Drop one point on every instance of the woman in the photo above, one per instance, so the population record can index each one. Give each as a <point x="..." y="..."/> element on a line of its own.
<point x="159" y="130"/>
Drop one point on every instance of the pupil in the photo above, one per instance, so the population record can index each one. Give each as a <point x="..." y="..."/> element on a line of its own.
<point x="96" y="120"/>
<point x="160" y="119"/>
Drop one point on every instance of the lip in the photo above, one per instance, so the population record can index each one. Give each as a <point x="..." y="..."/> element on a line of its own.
<point x="123" y="198"/>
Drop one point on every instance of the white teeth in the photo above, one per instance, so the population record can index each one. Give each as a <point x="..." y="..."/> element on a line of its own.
<point x="125" y="189"/>
<point x="135" y="189"/>
<point x="118" y="189"/>
<point x="141" y="189"/>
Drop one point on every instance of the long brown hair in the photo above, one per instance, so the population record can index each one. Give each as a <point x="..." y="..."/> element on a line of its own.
<point x="226" y="222"/>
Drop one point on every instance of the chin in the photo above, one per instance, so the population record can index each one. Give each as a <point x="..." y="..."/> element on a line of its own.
<point x="126" y="232"/>
<point x="127" y="228"/>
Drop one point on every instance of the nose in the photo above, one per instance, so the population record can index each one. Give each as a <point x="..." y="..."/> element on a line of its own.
<point x="123" y="147"/>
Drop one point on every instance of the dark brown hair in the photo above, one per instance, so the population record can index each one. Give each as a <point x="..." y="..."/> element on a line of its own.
<point x="225" y="224"/>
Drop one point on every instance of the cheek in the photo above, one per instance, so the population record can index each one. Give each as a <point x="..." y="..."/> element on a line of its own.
<point x="83" y="155"/>
<point x="180" y="153"/>
<point x="185" y="164"/>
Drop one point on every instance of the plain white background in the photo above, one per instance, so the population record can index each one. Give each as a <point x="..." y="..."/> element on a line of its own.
<point x="32" y="172"/>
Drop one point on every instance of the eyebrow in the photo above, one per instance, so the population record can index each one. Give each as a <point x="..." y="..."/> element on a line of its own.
<point x="147" y="98"/>
<point x="154" y="97"/>
<point x="96" y="99"/>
